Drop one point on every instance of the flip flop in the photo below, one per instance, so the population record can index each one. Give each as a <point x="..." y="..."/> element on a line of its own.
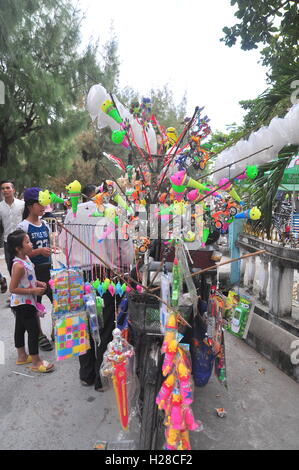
<point x="3" y="285"/>
<point x="44" y="343"/>
<point x="22" y="363"/>
<point x="43" y="368"/>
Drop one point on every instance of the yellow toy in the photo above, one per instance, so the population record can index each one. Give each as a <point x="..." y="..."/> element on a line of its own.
<point x="172" y="136"/>
<point x="74" y="190"/>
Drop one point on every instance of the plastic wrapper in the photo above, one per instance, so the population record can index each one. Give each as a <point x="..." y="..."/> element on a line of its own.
<point x="68" y="290"/>
<point x="71" y="335"/>
<point x="144" y="137"/>
<point x="94" y="326"/>
<point x="281" y="132"/>
<point x="118" y="373"/>
<point x="238" y="314"/>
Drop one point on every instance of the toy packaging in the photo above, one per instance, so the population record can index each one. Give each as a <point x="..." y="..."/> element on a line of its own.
<point x="238" y="314"/>
<point x="69" y="315"/>
<point x="71" y="335"/>
<point x="68" y="290"/>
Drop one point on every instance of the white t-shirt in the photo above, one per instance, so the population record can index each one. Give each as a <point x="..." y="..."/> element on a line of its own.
<point x="11" y="216"/>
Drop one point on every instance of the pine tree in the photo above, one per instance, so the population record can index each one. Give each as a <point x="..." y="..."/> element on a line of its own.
<point x="45" y="78"/>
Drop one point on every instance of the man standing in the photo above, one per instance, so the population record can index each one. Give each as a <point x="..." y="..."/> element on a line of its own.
<point x="11" y="211"/>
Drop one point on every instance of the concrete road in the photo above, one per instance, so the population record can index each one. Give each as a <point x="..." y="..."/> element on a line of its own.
<point x="53" y="411"/>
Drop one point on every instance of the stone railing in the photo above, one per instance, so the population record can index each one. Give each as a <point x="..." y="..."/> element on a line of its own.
<point x="271" y="276"/>
<point x="275" y="237"/>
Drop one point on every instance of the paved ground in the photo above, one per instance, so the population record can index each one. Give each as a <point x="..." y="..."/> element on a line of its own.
<point x="54" y="411"/>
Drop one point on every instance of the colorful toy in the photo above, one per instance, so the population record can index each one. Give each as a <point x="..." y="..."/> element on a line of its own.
<point x="74" y="190"/>
<point x="115" y="365"/>
<point x="71" y="335"/>
<point x="47" y="197"/>
<point x="120" y="137"/>
<point x="109" y="108"/>
<point x="68" y="290"/>
<point x="254" y="214"/>
<point x="180" y="181"/>
<point x="225" y="185"/>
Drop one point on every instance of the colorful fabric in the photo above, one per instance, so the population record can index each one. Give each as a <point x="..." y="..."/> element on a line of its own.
<point x="71" y="336"/>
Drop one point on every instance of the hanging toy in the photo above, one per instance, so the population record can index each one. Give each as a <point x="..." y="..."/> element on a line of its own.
<point x="227" y="186"/>
<point x="171" y="136"/>
<point x="251" y="173"/>
<point x="254" y="214"/>
<point x="47" y="197"/>
<point x="74" y="190"/>
<point x="119" y="137"/>
<point x="180" y="181"/>
<point x="92" y="316"/>
<point x="109" y="108"/>
<point x="115" y="365"/>
<point x="165" y="391"/>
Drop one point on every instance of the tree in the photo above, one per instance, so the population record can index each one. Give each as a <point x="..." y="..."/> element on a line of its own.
<point x="45" y="78"/>
<point x="263" y="20"/>
<point x="275" y="25"/>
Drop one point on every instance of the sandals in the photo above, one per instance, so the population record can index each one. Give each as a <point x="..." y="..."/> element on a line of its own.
<point x="44" y="343"/>
<point x="3" y="285"/>
<point x="43" y="368"/>
<point x="22" y="363"/>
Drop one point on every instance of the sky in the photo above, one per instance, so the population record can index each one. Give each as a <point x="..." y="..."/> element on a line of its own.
<point x="177" y="43"/>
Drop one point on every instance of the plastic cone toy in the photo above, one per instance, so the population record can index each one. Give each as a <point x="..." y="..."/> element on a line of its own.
<point x="205" y="235"/>
<point x="56" y="199"/>
<point x="109" y="108"/>
<point x="191" y="183"/>
<point x="74" y="190"/>
<point x="233" y="193"/>
<point x="119" y="137"/>
<point x="254" y="214"/>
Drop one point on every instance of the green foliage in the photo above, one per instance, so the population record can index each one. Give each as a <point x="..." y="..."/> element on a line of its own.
<point x="261" y="21"/>
<point x="262" y="191"/>
<point x="45" y="79"/>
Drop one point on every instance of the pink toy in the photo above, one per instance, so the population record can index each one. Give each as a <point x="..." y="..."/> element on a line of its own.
<point x="111" y="289"/>
<point x="186" y="391"/>
<point x="41" y="310"/>
<point x="165" y="392"/>
<point x="107" y="232"/>
<point x="170" y="353"/>
<point x="177" y="417"/>
<point x="87" y="289"/>
<point x="178" y="178"/>
<point x="193" y="195"/>
<point x="242" y="177"/>
<point x="189" y="419"/>
<point x="225" y="184"/>
<point x="51" y="283"/>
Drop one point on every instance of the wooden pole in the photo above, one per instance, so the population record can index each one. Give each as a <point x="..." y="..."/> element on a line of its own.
<point x="215" y="266"/>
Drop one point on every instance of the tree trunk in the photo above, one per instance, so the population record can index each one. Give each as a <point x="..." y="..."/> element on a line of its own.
<point x="4" y="154"/>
